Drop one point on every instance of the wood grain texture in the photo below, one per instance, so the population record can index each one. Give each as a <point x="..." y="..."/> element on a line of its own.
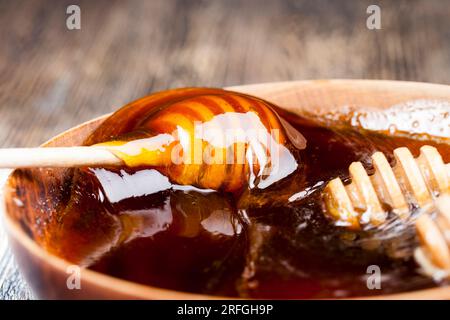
<point x="52" y="78"/>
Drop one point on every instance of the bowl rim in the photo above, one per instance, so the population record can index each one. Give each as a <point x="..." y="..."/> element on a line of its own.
<point x="140" y="291"/>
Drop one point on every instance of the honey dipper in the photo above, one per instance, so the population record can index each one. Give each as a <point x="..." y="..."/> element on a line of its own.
<point x="174" y="123"/>
<point x="410" y="182"/>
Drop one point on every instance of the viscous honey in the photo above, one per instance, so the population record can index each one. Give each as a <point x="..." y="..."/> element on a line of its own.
<point x="229" y="229"/>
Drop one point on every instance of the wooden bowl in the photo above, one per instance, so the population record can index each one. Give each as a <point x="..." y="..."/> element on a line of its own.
<point x="47" y="273"/>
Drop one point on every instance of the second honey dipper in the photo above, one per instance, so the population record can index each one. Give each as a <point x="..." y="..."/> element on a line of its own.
<point x="412" y="181"/>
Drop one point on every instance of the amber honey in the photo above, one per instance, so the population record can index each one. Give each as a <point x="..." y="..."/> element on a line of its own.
<point x="226" y="229"/>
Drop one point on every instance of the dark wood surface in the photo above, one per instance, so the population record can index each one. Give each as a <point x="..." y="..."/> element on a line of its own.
<point x="52" y="78"/>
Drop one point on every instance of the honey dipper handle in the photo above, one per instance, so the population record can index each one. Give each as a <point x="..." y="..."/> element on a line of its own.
<point x="57" y="157"/>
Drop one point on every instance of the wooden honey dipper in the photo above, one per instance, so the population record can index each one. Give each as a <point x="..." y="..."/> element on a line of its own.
<point x="410" y="182"/>
<point x="174" y="123"/>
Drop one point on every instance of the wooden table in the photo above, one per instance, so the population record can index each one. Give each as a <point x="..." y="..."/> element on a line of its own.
<point x="52" y="78"/>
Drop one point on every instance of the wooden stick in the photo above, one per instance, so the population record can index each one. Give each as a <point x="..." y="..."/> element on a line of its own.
<point x="63" y="157"/>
